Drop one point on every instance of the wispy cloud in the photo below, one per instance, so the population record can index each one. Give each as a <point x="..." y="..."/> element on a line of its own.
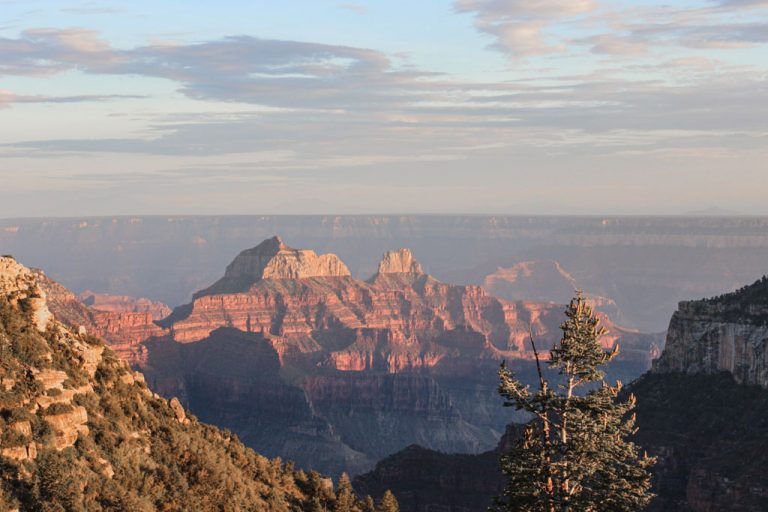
<point x="8" y="98"/>
<point x="528" y="28"/>
<point x="355" y="8"/>
<point x="522" y="28"/>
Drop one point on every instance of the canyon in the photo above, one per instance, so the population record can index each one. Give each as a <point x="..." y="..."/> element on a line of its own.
<point x="701" y="411"/>
<point x="304" y="361"/>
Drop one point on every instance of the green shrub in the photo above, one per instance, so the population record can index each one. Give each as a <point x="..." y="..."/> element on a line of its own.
<point x="58" y="408"/>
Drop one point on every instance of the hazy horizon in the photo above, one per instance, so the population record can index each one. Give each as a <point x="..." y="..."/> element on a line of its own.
<point x="702" y="214"/>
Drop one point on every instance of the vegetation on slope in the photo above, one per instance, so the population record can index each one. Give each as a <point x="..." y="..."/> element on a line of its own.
<point x="80" y="431"/>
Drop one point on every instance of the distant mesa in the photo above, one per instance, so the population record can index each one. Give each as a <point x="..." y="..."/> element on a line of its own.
<point x="273" y="259"/>
<point x="712" y="211"/>
<point x="541" y="280"/>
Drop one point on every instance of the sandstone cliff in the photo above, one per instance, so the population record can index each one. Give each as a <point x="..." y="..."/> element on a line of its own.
<point x="728" y="333"/>
<point x="272" y="259"/>
<point x="399" y="262"/>
<point x="123" y="321"/>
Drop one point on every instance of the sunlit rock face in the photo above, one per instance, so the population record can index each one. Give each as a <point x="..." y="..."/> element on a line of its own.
<point x="272" y="259"/>
<point x="357" y="369"/>
<point x="727" y="333"/>
<point x="123" y="321"/>
<point x="19" y="284"/>
<point x="399" y="262"/>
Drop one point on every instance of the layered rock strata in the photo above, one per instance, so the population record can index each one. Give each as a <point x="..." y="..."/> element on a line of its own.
<point x="367" y="367"/>
<point x="728" y="333"/>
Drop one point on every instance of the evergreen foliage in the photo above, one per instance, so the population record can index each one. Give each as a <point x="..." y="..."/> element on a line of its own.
<point x="388" y="503"/>
<point x="345" y="496"/>
<point x="575" y="454"/>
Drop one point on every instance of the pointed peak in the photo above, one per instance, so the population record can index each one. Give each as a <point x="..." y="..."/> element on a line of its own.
<point x="269" y="245"/>
<point x="273" y="259"/>
<point x="400" y="261"/>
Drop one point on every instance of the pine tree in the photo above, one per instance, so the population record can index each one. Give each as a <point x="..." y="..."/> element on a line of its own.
<point x="345" y="496"/>
<point x="368" y="505"/>
<point x="388" y="503"/>
<point x="575" y="454"/>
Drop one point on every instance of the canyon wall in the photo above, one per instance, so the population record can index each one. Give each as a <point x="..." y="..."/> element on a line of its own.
<point x="728" y="333"/>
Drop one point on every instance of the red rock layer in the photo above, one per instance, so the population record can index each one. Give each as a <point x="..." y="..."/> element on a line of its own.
<point x="393" y="322"/>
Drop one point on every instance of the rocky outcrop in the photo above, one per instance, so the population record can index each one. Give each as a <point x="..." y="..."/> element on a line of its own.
<point x="18" y="283"/>
<point x="272" y="259"/>
<point x="399" y="262"/>
<point x="728" y="333"/>
<point x="68" y="426"/>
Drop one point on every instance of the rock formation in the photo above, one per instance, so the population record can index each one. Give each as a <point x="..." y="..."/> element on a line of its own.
<point x="123" y="321"/>
<point x="272" y="259"/>
<point x="399" y="262"/>
<point x="727" y="333"/>
<point x="80" y="431"/>
<point x="304" y="361"/>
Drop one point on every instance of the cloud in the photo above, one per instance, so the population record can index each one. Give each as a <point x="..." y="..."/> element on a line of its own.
<point x="739" y="4"/>
<point x="528" y="28"/>
<point x="242" y="68"/>
<point x="8" y="98"/>
<point x="521" y="28"/>
<point x="89" y="10"/>
<point x="355" y="8"/>
<point x="336" y="107"/>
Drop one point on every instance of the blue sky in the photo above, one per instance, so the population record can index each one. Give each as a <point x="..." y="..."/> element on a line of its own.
<point x="461" y="106"/>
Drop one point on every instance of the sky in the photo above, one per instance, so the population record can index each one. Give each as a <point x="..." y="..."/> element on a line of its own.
<point x="428" y="106"/>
